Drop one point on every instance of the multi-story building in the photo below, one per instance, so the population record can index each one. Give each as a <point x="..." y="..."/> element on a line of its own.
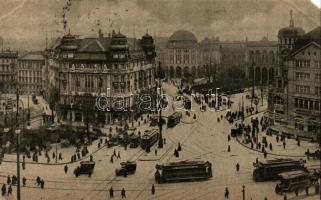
<point x="261" y="61"/>
<point x="184" y="57"/>
<point x="116" y="68"/>
<point x="294" y="99"/>
<point x="278" y="91"/>
<point x="30" y="73"/>
<point x="8" y="64"/>
<point x="304" y="83"/>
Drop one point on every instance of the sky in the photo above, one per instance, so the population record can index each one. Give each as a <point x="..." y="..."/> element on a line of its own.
<point x="26" y="23"/>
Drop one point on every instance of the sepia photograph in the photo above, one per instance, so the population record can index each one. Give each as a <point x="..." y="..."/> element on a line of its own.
<point x="160" y="99"/>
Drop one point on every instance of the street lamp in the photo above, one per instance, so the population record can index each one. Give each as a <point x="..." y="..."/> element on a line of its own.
<point x="159" y="75"/>
<point x="243" y="192"/>
<point x="18" y="131"/>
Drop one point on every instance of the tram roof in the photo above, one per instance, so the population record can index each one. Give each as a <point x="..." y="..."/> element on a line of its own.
<point x="149" y="133"/>
<point x="184" y="163"/>
<point x="278" y="161"/>
<point x="292" y="174"/>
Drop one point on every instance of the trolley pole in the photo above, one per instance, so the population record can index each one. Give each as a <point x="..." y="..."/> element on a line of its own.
<point x="18" y="147"/>
<point x="160" y="125"/>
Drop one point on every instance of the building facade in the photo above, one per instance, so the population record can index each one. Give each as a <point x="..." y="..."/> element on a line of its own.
<point x="8" y="65"/>
<point x="261" y="61"/>
<point x="304" y="83"/>
<point x="184" y="57"/>
<point x="103" y="78"/>
<point x="30" y="73"/>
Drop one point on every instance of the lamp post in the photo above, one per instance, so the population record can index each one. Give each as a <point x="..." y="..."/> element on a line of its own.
<point x="18" y="131"/>
<point x="159" y="75"/>
<point x="243" y="192"/>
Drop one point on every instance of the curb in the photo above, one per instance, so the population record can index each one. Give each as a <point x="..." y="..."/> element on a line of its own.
<point x="64" y="163"/>
<point x="274" y="154"/>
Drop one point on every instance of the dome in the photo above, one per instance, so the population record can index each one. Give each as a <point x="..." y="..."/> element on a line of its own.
<point x="182" y="35"/>
<point x="291" y="32"/>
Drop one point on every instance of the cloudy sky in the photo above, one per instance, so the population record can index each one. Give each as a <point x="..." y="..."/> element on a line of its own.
<point x="25" y="23"/>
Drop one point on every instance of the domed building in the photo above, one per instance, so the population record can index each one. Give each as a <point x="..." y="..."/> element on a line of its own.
<point x="182" y="56"/>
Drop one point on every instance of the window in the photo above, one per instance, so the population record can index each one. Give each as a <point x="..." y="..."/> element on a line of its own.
<point x="317" y="91"/>
<point x="301" y="89"/>
<point x="318" y="77"/>
<point x="178" y="56"/>
<point x="302" y="76"/>
<point x="302" y="63"/>
<point x="317" y="64"/>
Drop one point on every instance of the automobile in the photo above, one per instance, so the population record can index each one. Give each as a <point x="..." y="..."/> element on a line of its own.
<point x="86" y="167"/>
<point x="128" y="167"/>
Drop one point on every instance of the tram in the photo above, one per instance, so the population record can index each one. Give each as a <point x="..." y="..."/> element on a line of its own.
<point x="183" y="171"/>
<point x="292" y="181"/>
<point x="148" y="139"/>
<point x="174" y="119"/>
<point x="269" y="169"/>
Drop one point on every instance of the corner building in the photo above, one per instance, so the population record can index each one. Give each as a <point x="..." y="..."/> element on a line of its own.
<point x="119" y="68"/>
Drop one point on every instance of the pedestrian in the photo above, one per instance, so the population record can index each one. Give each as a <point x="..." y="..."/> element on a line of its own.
<point x="66" y="169"/>
<point x="48" y="160"/>
<point x="308" y="154"/>
<point x="265" y="154"/>
<point x="60" y="156"/>
<point x="155" y="152"/>
<point x="179" y="148"/>
<point x="227" y="193"/>
<point x="123" y="193"/>
<point x="89" y="174"/>
<point x="296" y="192"/>
<point x="8" y="180"/>
<point x="270" y="146"/>
<point x="164" y="140"/>
<point x="228" y="138"/>
<point x="257" y="160"/>
<point x="4" y="189"/>
<point x="237" y="167"/>
<point x="307" y="190"/>
<point x="38" y="180"/>
<point x="298" y="142"/>
<point x="14" y="180"/>
<point x="42" y="183"/>
<point x="9" y="190"/>
<point x="284" y="144"/>
<point x="111" y="192"/>
<point x="24" y="180"/>
<point x="23" y="165"/>
<point x="78" y="155"/>
<point x="91" y="158"/>
<point x="285" y="197"/>
<point x="265" y="198"/>
<point x="118" y="155"/>
<point x="153" y="189"/>
<point x="229" y="148"/>
<point x="277" y="139"/>
<point x="112" y="159"/>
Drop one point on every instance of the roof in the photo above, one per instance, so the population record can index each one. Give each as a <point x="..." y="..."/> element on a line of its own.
<point x="310" y="37"/>
<point x="278" y="161"/>
<point x="182" y="35"/>
<point x="35" y="56"/>
<point x="185" y="163"/>
<point x="261" y="44"/>
<point x="8" y="54"/>
<point x="292" y="174"/>
<point x="291" y="32"/>
<point x="149" y="133"/>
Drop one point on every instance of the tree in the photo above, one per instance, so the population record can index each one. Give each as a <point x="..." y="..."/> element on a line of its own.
<point x="210" y="70"/>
